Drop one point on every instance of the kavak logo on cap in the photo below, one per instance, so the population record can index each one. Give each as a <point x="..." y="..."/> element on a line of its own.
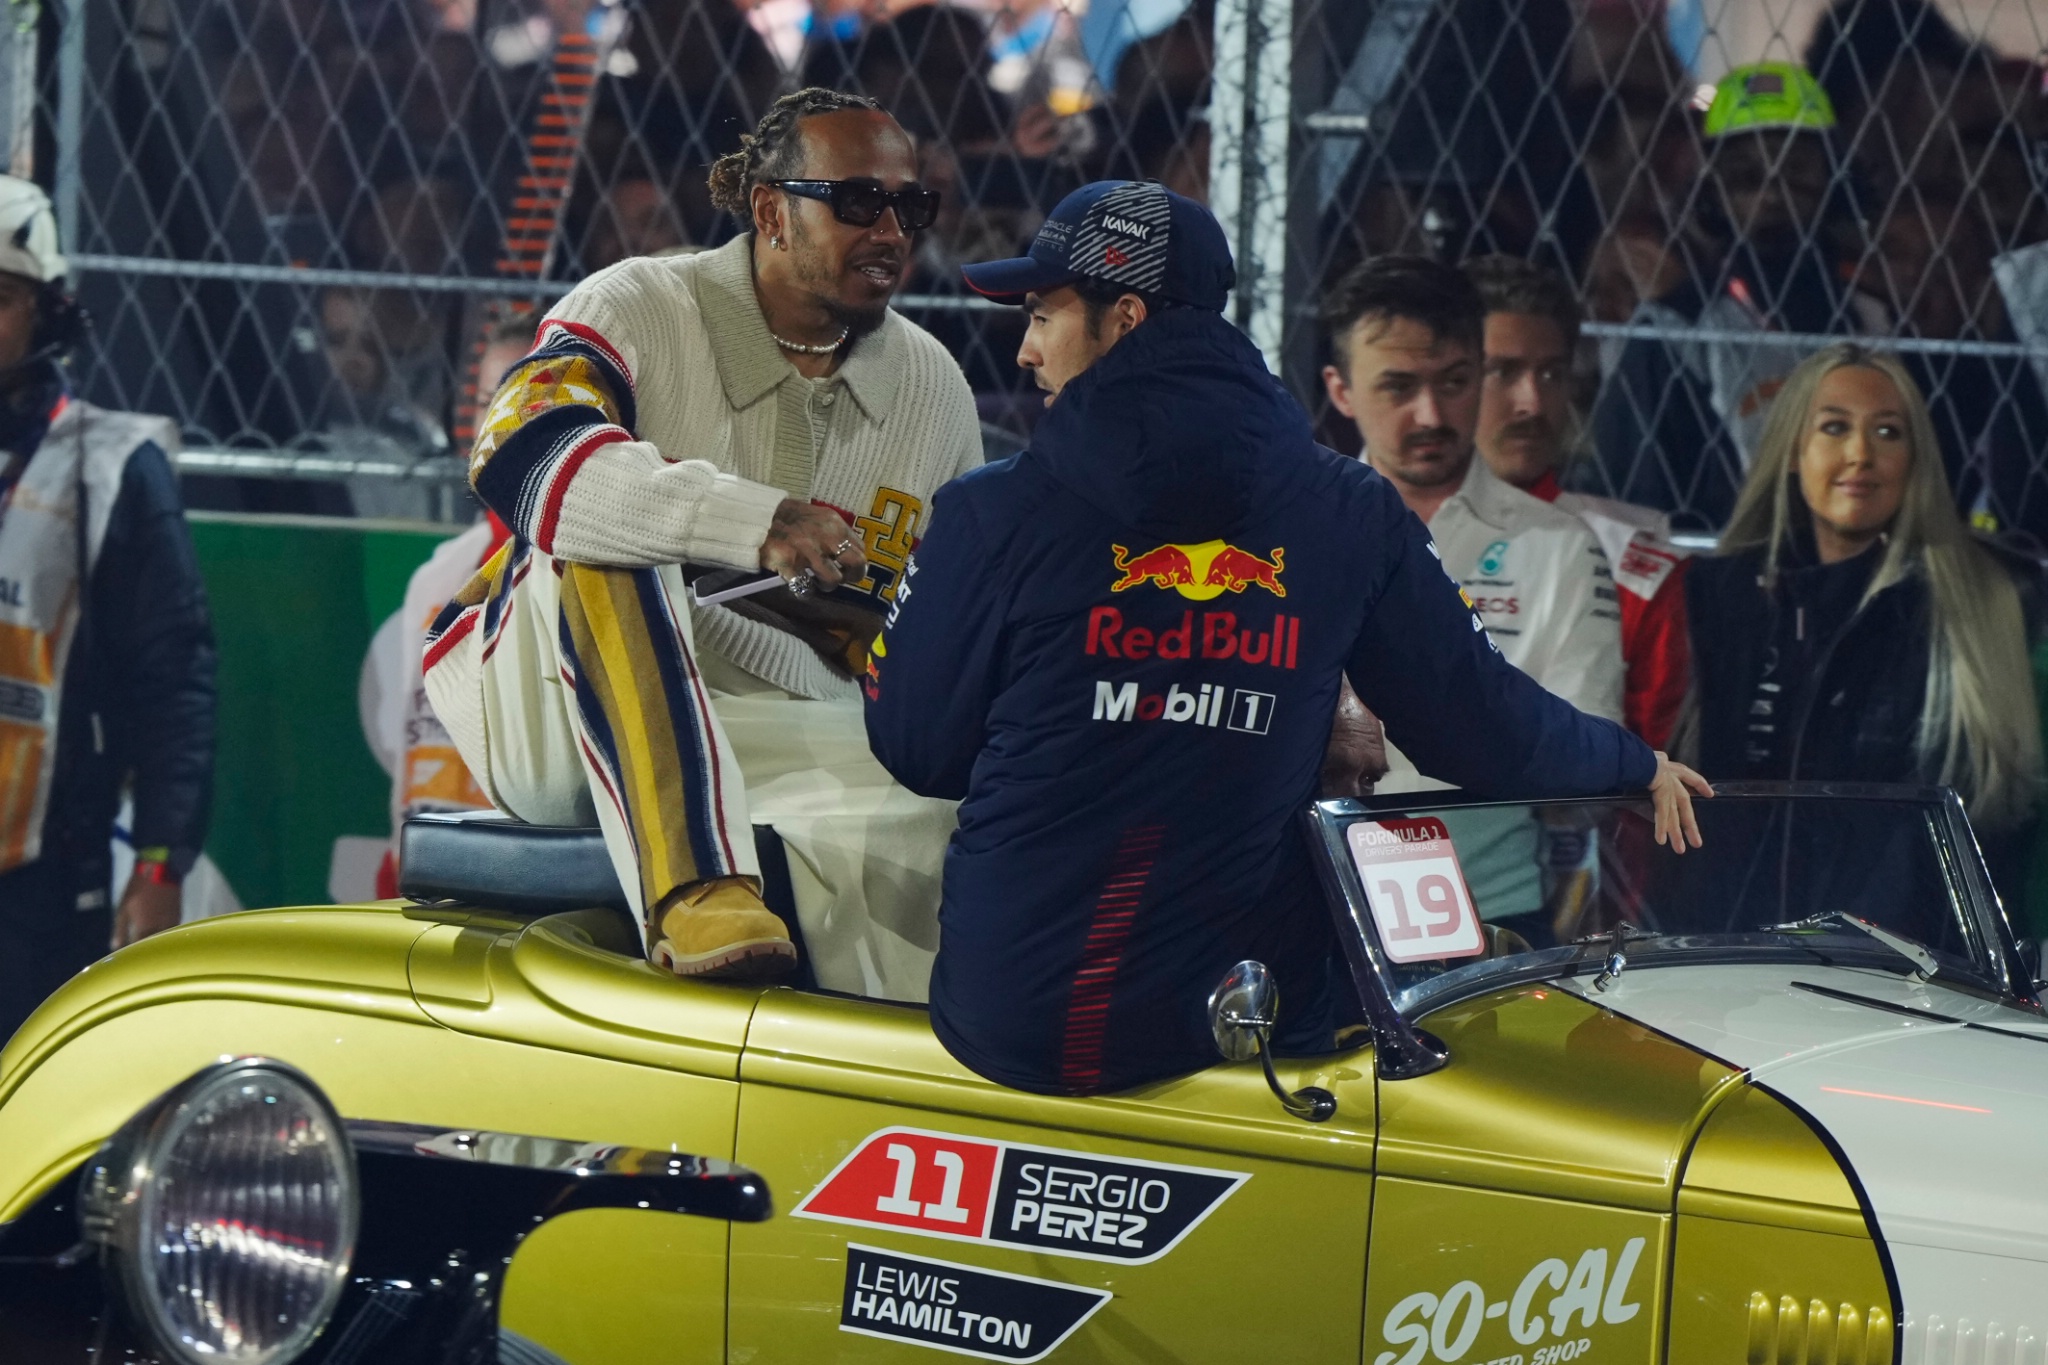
<point x="1135" y="233"/>
<point x="1123" y="238"/>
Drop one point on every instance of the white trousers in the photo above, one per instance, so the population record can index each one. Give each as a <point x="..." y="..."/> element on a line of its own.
<point x="578" y="696"/>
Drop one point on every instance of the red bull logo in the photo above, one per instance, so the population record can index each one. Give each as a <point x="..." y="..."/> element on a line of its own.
<point x="1199" y="572"/>
<point x="1218" y="635"/>
<point x="1167" y="567"/>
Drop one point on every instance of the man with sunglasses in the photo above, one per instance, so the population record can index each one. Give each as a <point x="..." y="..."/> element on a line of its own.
<point x="754" y="407"/>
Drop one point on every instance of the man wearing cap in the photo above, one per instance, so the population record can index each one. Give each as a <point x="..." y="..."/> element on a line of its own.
<point x="106" y="648"/>
<point x="1122" y="648"/>
<point x="1677" y="419"/>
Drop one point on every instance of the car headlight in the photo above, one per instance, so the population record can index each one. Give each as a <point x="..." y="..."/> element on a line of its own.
<point x="228" y="1209"/>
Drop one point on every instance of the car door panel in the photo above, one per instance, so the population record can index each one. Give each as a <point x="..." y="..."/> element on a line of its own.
<point x="655" y="1063"/>
<point x="1523" y="1209"/>
<point x="621" y="1287"/>
<point x="1482" y="1277"/>
<point x="923" y="1209"/>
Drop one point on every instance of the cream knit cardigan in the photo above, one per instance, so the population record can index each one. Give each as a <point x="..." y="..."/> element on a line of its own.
<point x="726" y="429"/>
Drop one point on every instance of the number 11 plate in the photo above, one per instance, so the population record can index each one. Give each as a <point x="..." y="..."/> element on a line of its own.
<point x="1416" y="890"/>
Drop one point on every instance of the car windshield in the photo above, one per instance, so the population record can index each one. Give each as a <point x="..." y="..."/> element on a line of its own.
<point x="1458" y="896"/>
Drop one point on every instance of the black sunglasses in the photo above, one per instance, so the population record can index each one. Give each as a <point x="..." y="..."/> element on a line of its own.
<point x="859" y="203"/>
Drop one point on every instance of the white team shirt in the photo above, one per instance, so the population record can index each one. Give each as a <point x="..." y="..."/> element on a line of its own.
<point x="1544" y="590"/>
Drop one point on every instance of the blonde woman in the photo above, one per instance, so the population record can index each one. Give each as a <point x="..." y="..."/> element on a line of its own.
<point x="1852" y="628"/>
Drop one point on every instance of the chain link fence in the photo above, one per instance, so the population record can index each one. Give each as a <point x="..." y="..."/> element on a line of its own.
<point x="1574" y="133"/>
<point x="315" y="231"/>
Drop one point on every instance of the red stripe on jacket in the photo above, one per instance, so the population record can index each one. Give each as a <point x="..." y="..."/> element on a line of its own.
<point x="558" y="486"/>
<point x="1116" y="910"/>
<point x="595" y="338"/>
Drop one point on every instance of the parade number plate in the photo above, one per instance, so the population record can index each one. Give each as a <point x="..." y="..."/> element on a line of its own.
<point x="960" y="1308"/>
<point x="1416" y="890"/>
<point x="1043" y="1199"/>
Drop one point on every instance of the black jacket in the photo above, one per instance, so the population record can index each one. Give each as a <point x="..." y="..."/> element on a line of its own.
<point x="1123" y="648"/>
<point x="138" y="702"/>
<point x="1851" y="681"/>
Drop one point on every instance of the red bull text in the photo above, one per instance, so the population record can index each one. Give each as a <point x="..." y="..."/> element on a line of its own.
<point x="1218" y="636"/>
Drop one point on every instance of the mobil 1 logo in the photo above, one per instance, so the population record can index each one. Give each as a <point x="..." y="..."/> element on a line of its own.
<point x="960" y="1308"/>
<point x="1042" y="1199"/>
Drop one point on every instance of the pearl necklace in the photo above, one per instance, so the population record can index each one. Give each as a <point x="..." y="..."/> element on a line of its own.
<point x="827" y="349"/>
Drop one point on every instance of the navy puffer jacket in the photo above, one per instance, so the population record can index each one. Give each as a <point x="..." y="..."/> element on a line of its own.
<point x="1122" y="649"/>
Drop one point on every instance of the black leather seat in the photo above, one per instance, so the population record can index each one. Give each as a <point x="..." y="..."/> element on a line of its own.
<point x="484" y="859"/>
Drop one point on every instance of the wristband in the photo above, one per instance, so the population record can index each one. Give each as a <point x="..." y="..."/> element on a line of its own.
<point x="153" y="865"/>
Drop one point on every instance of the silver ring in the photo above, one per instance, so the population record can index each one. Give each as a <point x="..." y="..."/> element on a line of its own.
<point x="841" y="548"/>
<point x="801" y="584"/>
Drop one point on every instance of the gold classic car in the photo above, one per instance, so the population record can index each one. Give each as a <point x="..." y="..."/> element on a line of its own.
<point x="1778" y="1100"/>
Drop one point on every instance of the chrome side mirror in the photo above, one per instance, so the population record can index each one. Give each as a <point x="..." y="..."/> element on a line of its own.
<point x="1242" y="1011"/>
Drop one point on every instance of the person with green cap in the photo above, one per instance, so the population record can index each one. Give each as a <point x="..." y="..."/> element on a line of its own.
<point x="1677" y="420"/>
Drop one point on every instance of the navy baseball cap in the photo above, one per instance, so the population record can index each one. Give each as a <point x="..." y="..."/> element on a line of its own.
<point x="1129" y="232"/>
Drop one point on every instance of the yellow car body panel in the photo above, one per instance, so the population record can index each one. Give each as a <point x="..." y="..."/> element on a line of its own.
<point x="1488" y="1276"/>
<point x="132" y="1025"/>
<point x="620" y="1287"/>
<point x="1758" y="1162"/>
<point x="351" y="960"/>
<point x="1523" y="1205"/>
<point x="822" y="1076"/>
<point x="1775" y="1264"/>
<point x="1748" y="1293"/>
<point x="598" y="1286"/>
<point x="1523" y="1210"/>
<point x="836" y="1046"/>
<point x="1548" y="1095"/>
<point x="555" y="984"/>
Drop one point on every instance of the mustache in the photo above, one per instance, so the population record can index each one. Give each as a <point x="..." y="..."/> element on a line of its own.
<point x="1415" y="440"/>
<point x="1532" y="428"/>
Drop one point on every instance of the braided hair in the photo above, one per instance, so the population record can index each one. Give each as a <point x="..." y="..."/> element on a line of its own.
<point x="774" y="150"/>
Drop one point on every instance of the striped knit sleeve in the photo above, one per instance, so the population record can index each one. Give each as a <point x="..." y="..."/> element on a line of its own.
<point x="556" y="458"/>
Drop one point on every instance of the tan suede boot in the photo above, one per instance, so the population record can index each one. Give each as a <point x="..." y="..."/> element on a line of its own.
<point x="720" y="928"/>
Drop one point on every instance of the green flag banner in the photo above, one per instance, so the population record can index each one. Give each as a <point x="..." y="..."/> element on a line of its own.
<point x="296" y="601"/>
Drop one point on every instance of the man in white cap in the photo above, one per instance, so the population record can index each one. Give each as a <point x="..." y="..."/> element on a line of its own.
<point x="106" y="648"/>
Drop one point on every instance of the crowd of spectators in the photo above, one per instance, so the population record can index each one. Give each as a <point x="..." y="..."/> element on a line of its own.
<point x="393" y="134"/>
<point x="1905" y="206"/>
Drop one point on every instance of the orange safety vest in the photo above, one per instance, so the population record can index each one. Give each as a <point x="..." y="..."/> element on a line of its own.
<point x="42" y="559"/>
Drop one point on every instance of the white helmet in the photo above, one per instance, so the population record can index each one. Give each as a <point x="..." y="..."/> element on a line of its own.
<point x="28" y="233"/>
